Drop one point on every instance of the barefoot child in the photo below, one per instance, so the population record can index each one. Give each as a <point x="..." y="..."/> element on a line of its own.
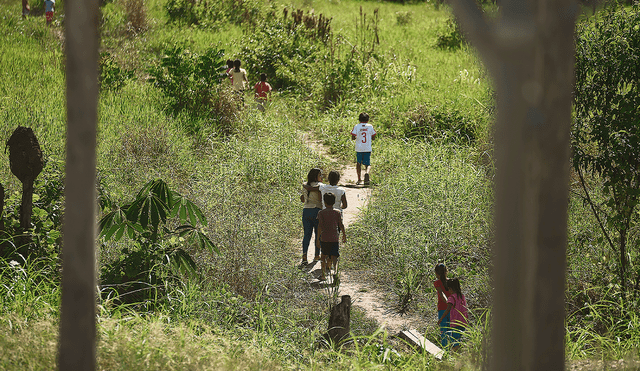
<point x="443" y="294"/>
<point x="329" y="228"/>
<point x="457" y="307"/>
<point x="312" y="200"/>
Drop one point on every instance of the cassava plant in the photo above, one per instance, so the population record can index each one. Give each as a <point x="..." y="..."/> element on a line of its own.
<point x="162" y="225"/>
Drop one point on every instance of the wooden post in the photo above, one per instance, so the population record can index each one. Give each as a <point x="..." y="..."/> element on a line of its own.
<point x="78" y="311"/>
<point x="530" y="53"/>
<point x="340" y="321"/>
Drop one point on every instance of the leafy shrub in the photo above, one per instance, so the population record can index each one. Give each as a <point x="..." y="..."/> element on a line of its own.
<point x="403" y="18"/>
<point x="452" y="36"/>
<point x="112" y="77"/>
<point x="439" y="123"/>
<point x="159" y="251"/>
<point x="208" y="14"/>
<point x="43" y="239"/>
<point x="192" y="83"/>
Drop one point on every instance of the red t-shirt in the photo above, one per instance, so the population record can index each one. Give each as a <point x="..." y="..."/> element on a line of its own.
<point x="442" y="305"/>
<point x="262" y="88"/>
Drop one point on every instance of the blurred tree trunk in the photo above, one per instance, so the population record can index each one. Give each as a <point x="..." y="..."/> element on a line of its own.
<point x="78" y="311"/>
<point x="529" y="51"/>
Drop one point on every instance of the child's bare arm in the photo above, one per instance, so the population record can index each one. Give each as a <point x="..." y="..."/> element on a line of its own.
<point x="344" y="201"/>
<point x="441" y="294"/>
<point x="310" y="188"/>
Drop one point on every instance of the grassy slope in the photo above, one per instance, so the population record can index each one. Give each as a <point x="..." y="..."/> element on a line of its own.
<point x="421" y="184"/>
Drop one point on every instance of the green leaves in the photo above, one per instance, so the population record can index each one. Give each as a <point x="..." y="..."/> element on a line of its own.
<point x="146" y="220"/>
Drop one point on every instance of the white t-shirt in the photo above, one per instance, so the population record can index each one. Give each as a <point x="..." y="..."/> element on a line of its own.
<point x="238" y="79"/>
<point x="338" y="191"/>
<point x="364" y="133"/>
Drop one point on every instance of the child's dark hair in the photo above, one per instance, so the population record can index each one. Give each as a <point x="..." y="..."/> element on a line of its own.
<point x="237" y="64"/>
<point x="363" y="117"/>
<point x="313" y="175"/>
<point x="334" y="177"/>
<point x="263" y="77"/>
<point x="229" y="63"/>
<point x="454" y="286"/>
<point x="441" y="270"/>
<point x="329" y="199"/>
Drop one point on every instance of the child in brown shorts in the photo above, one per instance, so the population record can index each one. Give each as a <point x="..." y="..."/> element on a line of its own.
<point x="329" y="228"/>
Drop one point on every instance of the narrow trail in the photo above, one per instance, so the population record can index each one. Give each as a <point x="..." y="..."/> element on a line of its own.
<point x="363" y="294"/>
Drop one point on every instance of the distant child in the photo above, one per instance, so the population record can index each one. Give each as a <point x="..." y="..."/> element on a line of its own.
<point x="228" y="71"/>
<point x="443" y="294"/>
<point x="49" y="8"/>
<point x="457" y="308"/>
<point x="262" y="89"/>
<point x="329" y="228"/>
<point x="238" y="77"/>
<point x="25" y="8"/>
<point x="363" y="134"/>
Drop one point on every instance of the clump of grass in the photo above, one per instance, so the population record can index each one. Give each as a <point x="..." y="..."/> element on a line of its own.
<point x="136" y="15"/>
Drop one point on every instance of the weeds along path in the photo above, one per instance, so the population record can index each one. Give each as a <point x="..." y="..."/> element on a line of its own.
<point x="363" y="294"/>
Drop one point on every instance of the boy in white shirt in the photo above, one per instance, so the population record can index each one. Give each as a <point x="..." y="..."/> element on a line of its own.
<point x="363" y="134"/>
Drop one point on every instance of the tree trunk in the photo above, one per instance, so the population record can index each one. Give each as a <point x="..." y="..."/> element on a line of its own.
<point x="530" y="54"/>
<point x="78" y="312"/>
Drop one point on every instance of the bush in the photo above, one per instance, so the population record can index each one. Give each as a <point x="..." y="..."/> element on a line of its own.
<point x="209" y="14"/>
<point x="192" y="83"/>
<point x="112" y="77"/>
<point x="452" y="36"/>
<point x="438" y="123"/>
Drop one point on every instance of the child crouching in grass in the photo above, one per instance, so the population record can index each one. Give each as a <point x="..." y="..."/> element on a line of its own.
<point x="329" y="228"/>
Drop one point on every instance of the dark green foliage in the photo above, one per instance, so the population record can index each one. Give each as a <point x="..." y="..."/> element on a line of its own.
<point x="161" y="223"/>
<point x="192" y="83"/>
<point x="451" y="37"/>
<point x="606" y="134"/>
<point x="440" y="123"/>
<point x="210" y="13"/>
<point x="43" y="239"/>
<point x="112" y="76"/>
<point x="285" y="50"/>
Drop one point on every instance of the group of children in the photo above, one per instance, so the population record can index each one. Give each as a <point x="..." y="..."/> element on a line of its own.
<point x="452" y="308"/>
<point x="238" y="81"/>
<point x="322" y="214"/>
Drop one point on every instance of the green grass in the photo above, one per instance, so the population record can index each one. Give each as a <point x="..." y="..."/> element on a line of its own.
<point x="249" y="307"/>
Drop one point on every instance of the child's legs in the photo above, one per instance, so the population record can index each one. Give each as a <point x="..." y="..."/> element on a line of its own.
<point x="456" y="334"/>
<point x="444" y="328"/>
<point x="365" y="158"/>
<point x="309" y="223"/>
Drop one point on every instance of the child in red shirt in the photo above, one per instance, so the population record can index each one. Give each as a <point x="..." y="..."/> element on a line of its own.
<point x="262" y="89"/>
<point x="443" y="294"/>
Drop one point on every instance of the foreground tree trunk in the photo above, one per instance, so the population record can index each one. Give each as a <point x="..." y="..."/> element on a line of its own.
<point x="78" y="312"/>
<point x="529" y="52"/>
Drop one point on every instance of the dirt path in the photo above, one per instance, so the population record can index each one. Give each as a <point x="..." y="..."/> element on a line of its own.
<point x="363" y="295"/>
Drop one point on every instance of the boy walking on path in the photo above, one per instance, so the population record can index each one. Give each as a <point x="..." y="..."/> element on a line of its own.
<point x="363" y="134"/>
<point x="329" y="228"/>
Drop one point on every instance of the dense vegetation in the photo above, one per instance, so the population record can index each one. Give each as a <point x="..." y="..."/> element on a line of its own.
<point x="199" y="196"/>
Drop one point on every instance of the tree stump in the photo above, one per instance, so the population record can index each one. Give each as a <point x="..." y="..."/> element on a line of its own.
<point x="25" y="158"/>
<point x="340" y="321"/>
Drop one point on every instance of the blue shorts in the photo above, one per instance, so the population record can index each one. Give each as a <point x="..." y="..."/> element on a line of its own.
<point x="330" y="248"/>
<point x="363" y="158"/>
